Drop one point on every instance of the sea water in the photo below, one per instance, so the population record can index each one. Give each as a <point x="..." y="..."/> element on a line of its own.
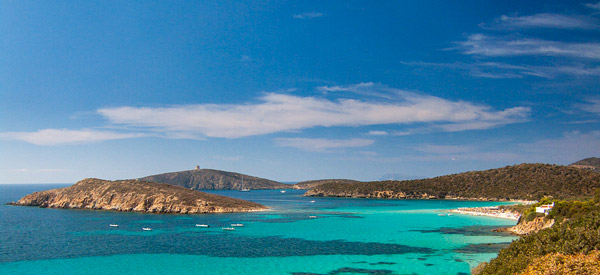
<point x="298" y="235"/>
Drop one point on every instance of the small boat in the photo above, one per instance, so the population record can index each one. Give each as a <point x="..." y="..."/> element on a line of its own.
<point x="228" y="228"/>
<point x="113" y="225"/>
<point x="312" y="217"/>
<point x="244" y="189"/>
<point x="202" y="225"/>
<point x="237" y="225"/>
<point x="282" y="191"/>
<point x="147" y="229"/>
<point x="312" y="201"/>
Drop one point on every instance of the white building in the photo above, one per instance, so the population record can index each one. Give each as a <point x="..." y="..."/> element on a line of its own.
<point x="545" y="209"/>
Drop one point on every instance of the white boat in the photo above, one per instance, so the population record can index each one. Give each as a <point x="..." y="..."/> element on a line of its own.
<point x="312" y="217"/>
<point x="237" y="225"/>
<point x="113" y="225"/>
<point x="147" y="229"/>
<point x="282" y="191"/>
<point x="202" y="225"/>
<point x="244" y="189"/>
<point x="228" y="228"/>
<point x="312" y="201"/>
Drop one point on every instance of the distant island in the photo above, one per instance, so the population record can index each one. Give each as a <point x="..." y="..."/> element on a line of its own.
<point x="314" y="183"/>
<point x="518" y="182"/>
<point x="592" y="164"/>
<point x="210" y="179"/>
<point x="136" y="196"/>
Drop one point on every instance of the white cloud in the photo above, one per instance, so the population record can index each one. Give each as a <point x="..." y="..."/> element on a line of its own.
<point x="279" y="112"/>
<point x="308" y="15"/>
<point x="320" y="144"/>
<point x="65" y="136"/>
<point x="545" y="20"/>
<point x="483" y="45"/>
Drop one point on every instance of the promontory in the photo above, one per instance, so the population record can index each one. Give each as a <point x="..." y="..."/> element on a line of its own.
<point x="136" y="196"/>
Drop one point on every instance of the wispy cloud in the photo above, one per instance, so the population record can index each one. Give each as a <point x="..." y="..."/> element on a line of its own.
<point x="377" y="133"/>
<point x="483" y="45"/>
<point x="504" y="70"/>
<point x="279" y="113"/>
<point x="572" y="146"/>
<point x="320" y="144"/>
<point x="444" y="149"/>
<point x="544" y="20"/>
<point x="65" y="136"/>
<point x="594" y="6"/>
<point x="368" y="89"/>
<point x="591" y="105"/>
<point x="308" y="15"/>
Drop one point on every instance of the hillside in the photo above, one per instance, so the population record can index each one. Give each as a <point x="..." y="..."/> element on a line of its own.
<point x="571" y="244"/>
<point x="523" y="181"/>
<point x="592" y="164"/>
<point x="314" y="183"/>
<point x="136" y="196"/>
<point x="208" y="179"/>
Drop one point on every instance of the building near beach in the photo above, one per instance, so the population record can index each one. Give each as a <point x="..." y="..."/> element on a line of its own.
<point x="545" y="209"/>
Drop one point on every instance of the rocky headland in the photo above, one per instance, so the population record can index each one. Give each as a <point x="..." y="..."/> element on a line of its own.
<point x="136" y="196"/>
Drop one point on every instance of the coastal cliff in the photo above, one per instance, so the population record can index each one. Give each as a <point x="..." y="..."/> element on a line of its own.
<point x="528" y="227"/>
<point x="209" y="179"/>
<point x="518" y="182"/>
<point x="136" y="196"/>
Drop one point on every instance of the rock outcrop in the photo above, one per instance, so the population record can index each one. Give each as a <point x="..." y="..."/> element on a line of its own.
<point x="209" y="179"/>
<point x="524" y="228"/>
<point x="136" y="196"/>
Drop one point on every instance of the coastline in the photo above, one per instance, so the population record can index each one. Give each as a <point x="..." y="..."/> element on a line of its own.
<point x="489" y="211"/>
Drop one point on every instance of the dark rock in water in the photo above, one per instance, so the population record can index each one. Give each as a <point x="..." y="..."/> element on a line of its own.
<point x="209" y="179"/>
<point x="382" y="263"/>
<point x="482" y="248"/>
<point x="136" y="196"/>
<point x="471" y="230"/>
<point x="350" y="270"/>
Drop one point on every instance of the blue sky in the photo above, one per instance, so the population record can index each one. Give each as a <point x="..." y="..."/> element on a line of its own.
<point x="295" y="91"/>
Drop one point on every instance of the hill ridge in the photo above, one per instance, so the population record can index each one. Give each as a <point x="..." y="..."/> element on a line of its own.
<point x="517" y="182"/>
<point x="212" y="179"/>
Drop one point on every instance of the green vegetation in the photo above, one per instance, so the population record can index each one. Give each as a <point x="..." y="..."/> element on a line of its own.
<point x="577" y="231"/>
<point x="523" y="181"/>
<point x="558" y="263"/>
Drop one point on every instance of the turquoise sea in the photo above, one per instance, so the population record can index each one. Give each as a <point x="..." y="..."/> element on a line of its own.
<point x="299" y="235"/>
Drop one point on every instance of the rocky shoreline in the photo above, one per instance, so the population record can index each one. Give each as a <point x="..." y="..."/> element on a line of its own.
<point x="136" y="196"/>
